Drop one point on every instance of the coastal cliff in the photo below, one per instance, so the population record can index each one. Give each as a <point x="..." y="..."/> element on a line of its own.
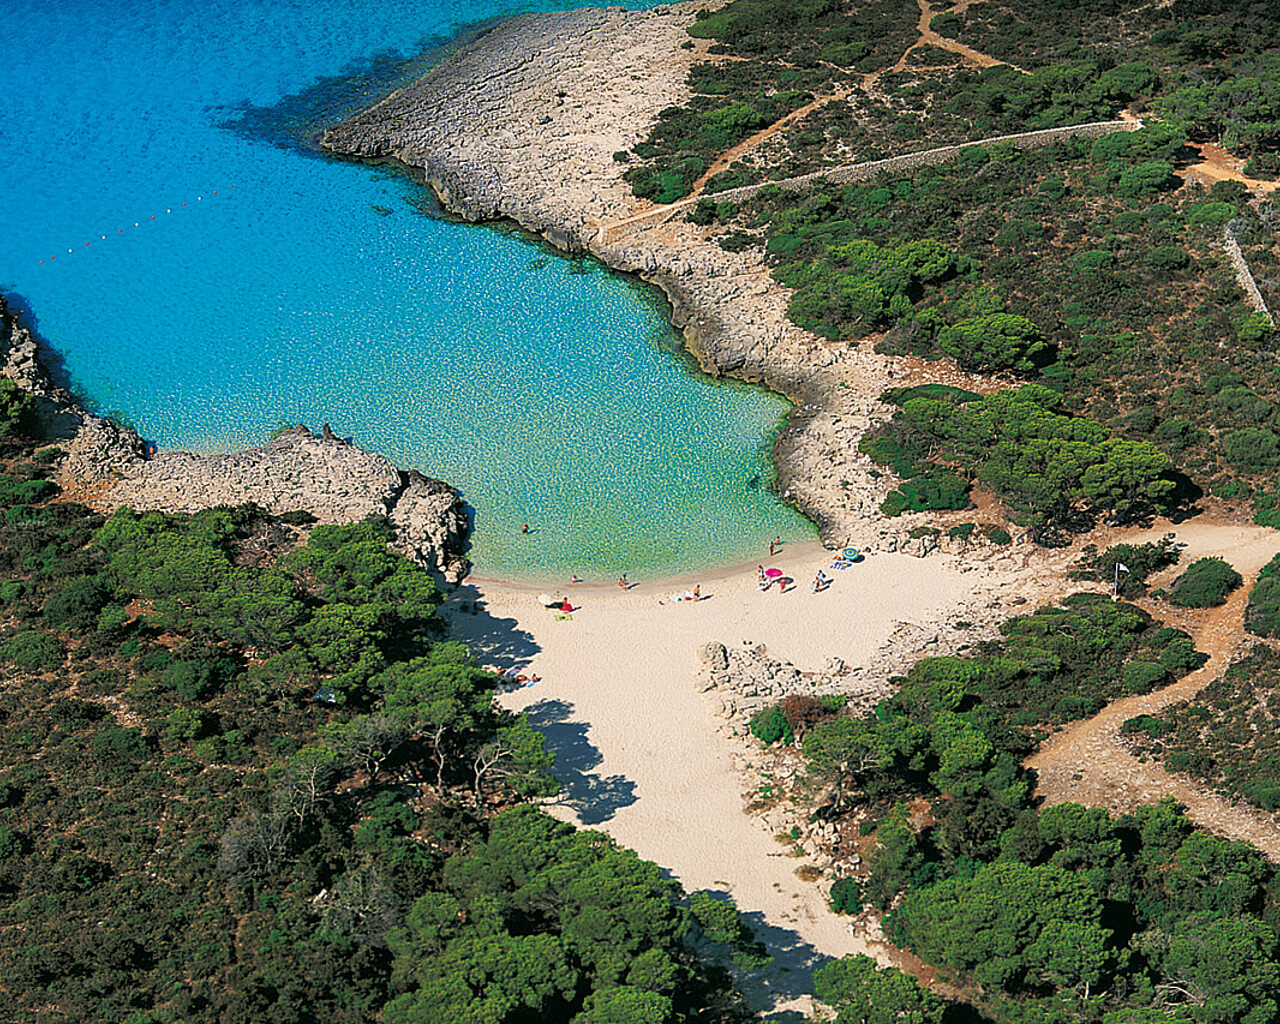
<point x="106" y="466"/>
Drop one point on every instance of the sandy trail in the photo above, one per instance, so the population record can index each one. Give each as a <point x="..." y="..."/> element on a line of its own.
<point x="1086" y="762"/>
<point x="726" y="158"/>
<point x="637" y="746"/>
<point x="1216" y="164"/>
<point x="928" y="37"/>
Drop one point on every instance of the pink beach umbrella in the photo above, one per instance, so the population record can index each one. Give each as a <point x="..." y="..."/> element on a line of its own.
<point x="773" y="574"/>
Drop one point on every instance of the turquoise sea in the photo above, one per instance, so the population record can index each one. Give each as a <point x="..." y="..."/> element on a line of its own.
<point x="206" y="275"/>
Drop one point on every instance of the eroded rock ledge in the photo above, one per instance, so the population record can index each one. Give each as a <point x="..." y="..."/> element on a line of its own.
<point x="106" y="467"/>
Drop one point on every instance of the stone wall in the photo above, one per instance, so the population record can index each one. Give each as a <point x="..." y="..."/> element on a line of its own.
<point x="850" y="173"/>
<point x="1244" y="275"/>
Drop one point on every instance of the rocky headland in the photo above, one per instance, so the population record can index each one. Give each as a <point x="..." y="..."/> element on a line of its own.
<point x="107" y="466"/>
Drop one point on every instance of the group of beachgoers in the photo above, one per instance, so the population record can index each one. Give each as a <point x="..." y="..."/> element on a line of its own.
<point x="768" y="577"/>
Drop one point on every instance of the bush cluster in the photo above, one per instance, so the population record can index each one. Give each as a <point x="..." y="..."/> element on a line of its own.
<point x="1205" y="584"/>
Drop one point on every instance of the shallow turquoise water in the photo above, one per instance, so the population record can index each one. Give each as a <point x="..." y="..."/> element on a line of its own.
<point x="234" y="280"/>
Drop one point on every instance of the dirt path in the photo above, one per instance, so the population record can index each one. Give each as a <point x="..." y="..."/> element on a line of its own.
<point x="1087" y="763"/>
<point x="1216" y="164"/>
<point x="747" y="145"/>
<point x="928" y="37"/>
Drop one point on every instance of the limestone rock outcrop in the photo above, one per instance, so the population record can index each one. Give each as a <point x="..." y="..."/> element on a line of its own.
<point x="106" y="466"/>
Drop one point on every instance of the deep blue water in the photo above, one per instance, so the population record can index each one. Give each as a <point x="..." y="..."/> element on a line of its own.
<point x="233" y="279"/>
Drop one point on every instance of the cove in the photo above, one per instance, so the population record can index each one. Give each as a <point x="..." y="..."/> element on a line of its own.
<point x="231" y="283"/>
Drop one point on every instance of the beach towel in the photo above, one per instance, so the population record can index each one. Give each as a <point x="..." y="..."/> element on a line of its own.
<point x="564" y="618"/>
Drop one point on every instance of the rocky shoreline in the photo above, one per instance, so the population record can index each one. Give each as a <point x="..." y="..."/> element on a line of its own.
<point x="107" y="466"/>
<point x="522" y="124"/>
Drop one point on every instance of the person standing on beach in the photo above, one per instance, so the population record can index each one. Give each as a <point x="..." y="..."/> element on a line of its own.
<point x="622" y="581"/>
<point x="772" y="544"/>
<point x="697" y="593"/>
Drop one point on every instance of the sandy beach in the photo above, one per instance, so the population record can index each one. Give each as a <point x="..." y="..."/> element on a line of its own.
<point x="644" y="757"/>
<point x="639" y="750"/>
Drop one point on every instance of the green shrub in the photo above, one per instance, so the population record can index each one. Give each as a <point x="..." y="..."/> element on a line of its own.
<point x="183" y="724"/>
<point x="1252" y="449"/>
<point x="1140" y="561"/>
<point x="1265" y="166"/>
<point x="996" y="341"/>
<point x="1167" y="258"/>
<point x="1149" y="725"/>
<point x="194" y="680"/>
<point x="935" y="491"/>
<point x="16" y="491"/>
<point x="999" y="535"/>
<point x="1180" y="656"/>
<point x="1145" y="179"/>
<point x="32" y="649"/>
<point x="1212" y="215"/>
<point x="1263" y="792"/>
<point x="945" y="392"/>
<point x="1206" y="583"/>
<point x="846" y="896"/>
<point x="1262" y="615"/>
<point x="1144" y="676"/>
<point x="119" y="750"/>
<point x="771" y="725"/>
<point x="719" y="918"/>
<point x="15" y="405"/>
<point x="77" y="602"/>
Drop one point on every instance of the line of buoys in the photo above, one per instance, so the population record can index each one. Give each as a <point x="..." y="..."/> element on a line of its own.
<point x="136" y="224"/>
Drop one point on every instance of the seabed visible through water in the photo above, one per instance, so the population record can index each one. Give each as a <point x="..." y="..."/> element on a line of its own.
<point x="312" y="290"/>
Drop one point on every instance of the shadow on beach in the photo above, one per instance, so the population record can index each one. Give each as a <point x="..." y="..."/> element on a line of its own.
<point x="593" y="798"/>
<point x="497" y="643"/>
<point x="788" y="977"/>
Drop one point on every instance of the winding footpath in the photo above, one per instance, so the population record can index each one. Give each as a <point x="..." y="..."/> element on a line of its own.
<point x="1088" y="763"/>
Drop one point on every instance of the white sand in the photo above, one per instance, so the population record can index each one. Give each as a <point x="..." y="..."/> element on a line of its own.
<point x="637" y="744"/>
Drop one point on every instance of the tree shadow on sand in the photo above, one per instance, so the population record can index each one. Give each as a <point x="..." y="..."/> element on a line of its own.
<point x="593" y="798"/>
<point x="495" y="642"/>
<point x="787" y="977"/>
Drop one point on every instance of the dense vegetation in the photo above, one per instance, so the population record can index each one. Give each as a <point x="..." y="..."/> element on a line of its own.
<point x="1215" y="62"/>
<point x="1207" y="68"/>
<point x="1126" y="567"/>
<point x="1054" y="472"/>
<point x="789" y="51"/>
<point x="1228" y="736"/>
<point x="245" y="776"/>
<point x="1047" y="263"/>
<point x="1039" y="914"/>
<point x="1088" y="266"/>
<point x="1205" y="584"/>
<point x="1262" y="614"/>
